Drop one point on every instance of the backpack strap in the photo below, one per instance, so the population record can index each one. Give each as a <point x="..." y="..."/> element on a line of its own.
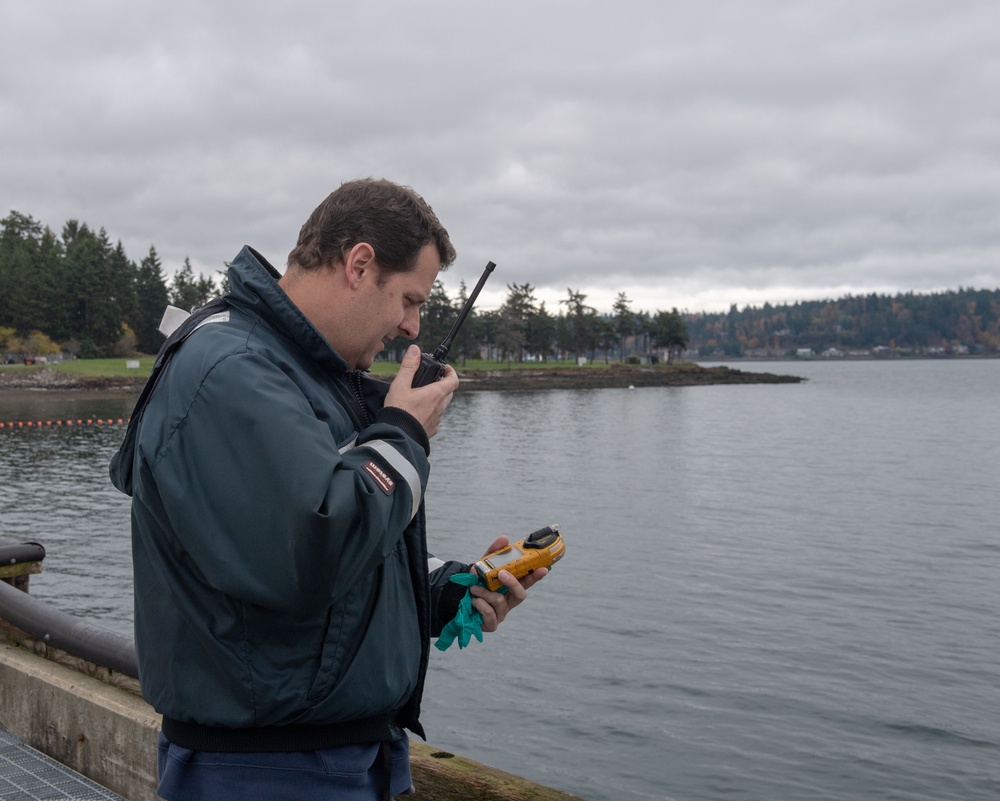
<point x="121" y="462"/>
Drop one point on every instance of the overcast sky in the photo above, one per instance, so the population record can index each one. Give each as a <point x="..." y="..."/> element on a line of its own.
<point x="690" y="154"/>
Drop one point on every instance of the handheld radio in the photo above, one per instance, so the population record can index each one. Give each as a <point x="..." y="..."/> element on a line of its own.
<point x="539" y="549"/>
<point x="432" y="365"/>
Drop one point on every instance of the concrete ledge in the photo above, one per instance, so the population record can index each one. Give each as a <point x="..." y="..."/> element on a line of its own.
<point x="440" y="776"/>
<point x="103" y="732"/>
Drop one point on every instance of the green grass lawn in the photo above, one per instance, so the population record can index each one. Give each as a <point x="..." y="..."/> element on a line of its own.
<point x="108" y="368"/>
<point x="101" y="368"/>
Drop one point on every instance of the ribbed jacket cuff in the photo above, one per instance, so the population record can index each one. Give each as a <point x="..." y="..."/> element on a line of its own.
<point x="395" y="416"/>
<point x="449" y="599"/>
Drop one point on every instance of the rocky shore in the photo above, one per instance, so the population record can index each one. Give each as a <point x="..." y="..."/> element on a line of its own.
<point x="47" y="378"/>
<point x="614" y="376"/>
<point x="593" y="377"/>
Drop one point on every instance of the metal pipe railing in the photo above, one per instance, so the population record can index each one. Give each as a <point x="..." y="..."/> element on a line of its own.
<point x="57" y="629"/>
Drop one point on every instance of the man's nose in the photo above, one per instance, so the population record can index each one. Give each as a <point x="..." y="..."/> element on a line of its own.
<point x="410" y="325"/>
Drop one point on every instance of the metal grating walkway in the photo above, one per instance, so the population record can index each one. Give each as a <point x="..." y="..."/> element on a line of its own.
<point x="27" y="774"/>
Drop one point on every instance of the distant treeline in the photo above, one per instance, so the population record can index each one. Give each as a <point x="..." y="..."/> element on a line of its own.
<point x="79" y="294"/>
<point x="960" y="321"/>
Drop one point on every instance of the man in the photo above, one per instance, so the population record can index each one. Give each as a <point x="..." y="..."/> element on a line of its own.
<point x="284" y="595"/>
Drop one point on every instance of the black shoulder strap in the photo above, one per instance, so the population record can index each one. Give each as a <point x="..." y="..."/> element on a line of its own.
<point x="121" y="462"/>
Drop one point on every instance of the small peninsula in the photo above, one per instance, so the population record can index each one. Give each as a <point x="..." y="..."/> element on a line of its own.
<point x="524" y="378"/>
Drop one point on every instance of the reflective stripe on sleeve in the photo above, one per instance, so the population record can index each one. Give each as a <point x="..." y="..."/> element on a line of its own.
<point x="401" y="465"/>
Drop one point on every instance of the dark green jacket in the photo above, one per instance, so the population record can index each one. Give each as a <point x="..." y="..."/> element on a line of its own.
<point x="281" y="568"/>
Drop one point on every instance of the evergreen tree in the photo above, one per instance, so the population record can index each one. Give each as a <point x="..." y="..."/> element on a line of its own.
<point x="512" y="327"/>
<point x="625" y="322"/>
<point x="470" y="335"/>
<point x="488" y="323"/>
<point x="436" y="318"/>
<point x="564" y="337"/>
<point x="33" y="290"/>
<point x="20" y="239"/>
<point x="223" y="286"/>
<point x="124" y="280"/>
<point x="190" y="293"/>
<point x="607" y="337"/>
<point x="151" y="300"/>
<point x="52" y="286"/>
<point x="541" y="332"/>
<point x="581" y="324"/>
<point x="669" y="332"/>
<point x="643" y="321"/>
<point x="207" y="289"/>
<point x="90" y="274"/>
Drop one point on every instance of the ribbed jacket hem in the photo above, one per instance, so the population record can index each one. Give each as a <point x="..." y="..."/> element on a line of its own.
<point x="271" y="739"/>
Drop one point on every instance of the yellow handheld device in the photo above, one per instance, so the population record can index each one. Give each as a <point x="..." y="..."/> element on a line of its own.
<point x="539" y="549"/>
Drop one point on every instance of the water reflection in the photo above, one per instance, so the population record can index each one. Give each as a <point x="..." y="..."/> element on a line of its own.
<point x="56" y="491"/>
<point x="35" y="405"/>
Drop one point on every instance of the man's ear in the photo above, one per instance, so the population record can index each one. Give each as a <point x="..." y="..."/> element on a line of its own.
<point x="360" y="264"/>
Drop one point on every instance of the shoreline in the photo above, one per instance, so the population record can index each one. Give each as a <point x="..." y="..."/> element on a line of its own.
<point x="615" y="376"/>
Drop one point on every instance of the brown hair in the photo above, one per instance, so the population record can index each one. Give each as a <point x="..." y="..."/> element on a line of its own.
<point x="393" y="219"/>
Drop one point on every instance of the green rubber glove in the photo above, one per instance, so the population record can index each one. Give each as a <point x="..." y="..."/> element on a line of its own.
<point x="467" y="623"/>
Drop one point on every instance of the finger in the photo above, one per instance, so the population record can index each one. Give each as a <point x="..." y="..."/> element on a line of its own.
<point x="488" y="612"/>
<point x="408" y="367"/>
<point x="516" y="592"/>
<point x="410" y="362"/>
<point x="498" y="604"/>
<point x="533" y="578"/>
<point x="449" y="380"/>
<point x="499" y="543"/>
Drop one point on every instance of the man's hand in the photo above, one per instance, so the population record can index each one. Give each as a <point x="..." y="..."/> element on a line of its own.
<point x="494" y="606"/>
<point x="427" y="403"/>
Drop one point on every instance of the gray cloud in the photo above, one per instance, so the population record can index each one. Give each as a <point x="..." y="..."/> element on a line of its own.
<point x="690" y="154"/>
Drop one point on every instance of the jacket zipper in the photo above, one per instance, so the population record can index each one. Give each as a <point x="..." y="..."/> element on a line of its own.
<point x="359" y="397"/>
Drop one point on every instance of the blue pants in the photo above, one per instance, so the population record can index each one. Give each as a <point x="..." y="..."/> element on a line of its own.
<point x="349" y="773"/>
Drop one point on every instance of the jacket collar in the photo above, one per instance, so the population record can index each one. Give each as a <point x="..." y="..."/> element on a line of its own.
<point x="253" y="287"/>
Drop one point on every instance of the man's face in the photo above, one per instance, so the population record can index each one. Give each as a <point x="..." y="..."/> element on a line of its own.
<point x="392" y="308"/>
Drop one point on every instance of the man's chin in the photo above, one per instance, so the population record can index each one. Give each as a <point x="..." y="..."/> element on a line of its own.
<point x="366" y="361"/>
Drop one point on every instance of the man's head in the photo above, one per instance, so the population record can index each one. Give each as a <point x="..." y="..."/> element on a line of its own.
<point x="365" y="263"/>
<point x="393" y="219"/>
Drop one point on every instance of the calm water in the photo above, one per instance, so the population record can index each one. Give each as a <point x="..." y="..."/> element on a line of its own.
<point x="770" y="592"/>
